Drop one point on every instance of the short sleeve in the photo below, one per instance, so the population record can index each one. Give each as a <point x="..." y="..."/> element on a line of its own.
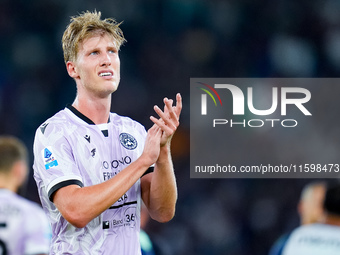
<point x="54" y="164"/>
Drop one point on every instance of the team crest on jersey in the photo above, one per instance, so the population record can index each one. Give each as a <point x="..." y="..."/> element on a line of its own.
<point x="128" y="141"/>
<point x="49" y="159"/>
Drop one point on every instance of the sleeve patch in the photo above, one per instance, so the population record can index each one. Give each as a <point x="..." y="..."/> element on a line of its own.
<point x="49" y="159"/>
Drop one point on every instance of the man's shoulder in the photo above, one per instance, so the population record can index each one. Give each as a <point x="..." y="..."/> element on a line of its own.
<point x="312" y="239"/>
<point x="124" y="120"/>
<point x="315" y="228"/>
<point x="31" y="207"/>
<point x="24" y="204"/>
<point x="59" y="121"/>
<point x="305" y="230"/>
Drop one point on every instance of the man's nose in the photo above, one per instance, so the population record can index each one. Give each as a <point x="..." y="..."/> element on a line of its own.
<point x="105" y="60"/>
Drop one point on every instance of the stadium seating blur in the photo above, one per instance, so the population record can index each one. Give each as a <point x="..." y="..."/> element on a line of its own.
<point x="169" y="41"/>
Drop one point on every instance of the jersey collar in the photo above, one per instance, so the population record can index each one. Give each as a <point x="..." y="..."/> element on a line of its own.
<point x="82" y="116"/>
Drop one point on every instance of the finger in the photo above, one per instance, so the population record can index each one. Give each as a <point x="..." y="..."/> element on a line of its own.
<point x="167" y="105"/>
<point x="153" y="128"/>
<point x="155" y="131"/>
<point x="173" y="111"/>
<point x="169" y="110"/>
<point x="171" y="122"/>
<point x="178" y="107"/>
<point x="170" y="115"/>
<point x="162" y="126"/>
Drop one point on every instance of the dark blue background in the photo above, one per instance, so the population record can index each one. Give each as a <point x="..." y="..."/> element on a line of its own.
<point x="170" y="41"/>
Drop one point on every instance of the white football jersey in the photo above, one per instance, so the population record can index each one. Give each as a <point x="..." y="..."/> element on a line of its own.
<point x="314" y="239"/>
<point x="70" y="149"/>
<point x="24" y="228"/>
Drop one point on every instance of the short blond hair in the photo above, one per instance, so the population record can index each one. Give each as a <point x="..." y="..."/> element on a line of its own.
<point x="86" y="25"/>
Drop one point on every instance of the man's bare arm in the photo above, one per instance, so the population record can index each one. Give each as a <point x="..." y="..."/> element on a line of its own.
<point x="81" y="205"/>
<point x="159" y="189"/>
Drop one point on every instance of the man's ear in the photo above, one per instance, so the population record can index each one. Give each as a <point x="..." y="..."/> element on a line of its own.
<point x="71" y="69"/>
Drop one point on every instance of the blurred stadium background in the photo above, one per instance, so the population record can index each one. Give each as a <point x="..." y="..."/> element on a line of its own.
<point x="170" y="41"/>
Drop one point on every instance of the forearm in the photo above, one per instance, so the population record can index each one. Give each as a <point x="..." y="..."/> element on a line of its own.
<point x="159" y="189"/>
<point x="80" y="205"/>
<point x="161" y="195"/>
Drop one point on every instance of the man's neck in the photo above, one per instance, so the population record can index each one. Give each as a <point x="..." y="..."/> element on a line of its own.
<point x="332" y="219"/>
<point x="96" y="110"/>
<point x="7" y="183"/>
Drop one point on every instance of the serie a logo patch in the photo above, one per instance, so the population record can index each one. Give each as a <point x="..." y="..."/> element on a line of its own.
<point x="49" y="159"/>
<point x="128" y="141"/>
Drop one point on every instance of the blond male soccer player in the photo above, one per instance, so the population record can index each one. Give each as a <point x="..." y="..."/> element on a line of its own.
<point x="93" y="167"/>
<point x="24" y="228"/>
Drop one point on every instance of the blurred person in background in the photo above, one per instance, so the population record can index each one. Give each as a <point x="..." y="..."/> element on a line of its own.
<point x="24" y="228"/>
<point x="93" y="167"/>
<point x="323" y="237"/>
<point x="310" y="209"/>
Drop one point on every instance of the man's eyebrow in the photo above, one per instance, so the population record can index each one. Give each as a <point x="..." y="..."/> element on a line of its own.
<point x="89" y="50"/>
<point x="113" y="47"/>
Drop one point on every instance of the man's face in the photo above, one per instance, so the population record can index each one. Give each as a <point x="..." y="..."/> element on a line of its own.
<point x="97" y="68"/>
<point x="311" y="207"/>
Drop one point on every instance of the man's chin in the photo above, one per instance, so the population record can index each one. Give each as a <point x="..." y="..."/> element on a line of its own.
<point x="107" y="93"/>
